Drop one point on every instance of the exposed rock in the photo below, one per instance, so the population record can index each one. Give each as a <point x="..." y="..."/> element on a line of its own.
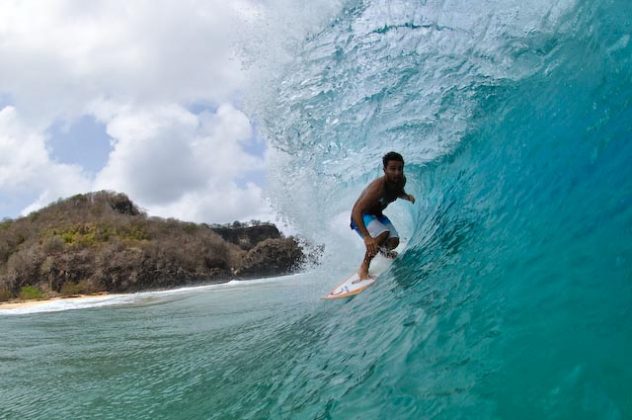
<point x="122" y="204"/>
<point x="246" y="237"/>
<point x="270" y="257"/>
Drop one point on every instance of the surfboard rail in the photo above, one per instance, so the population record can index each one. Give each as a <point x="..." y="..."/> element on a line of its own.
<point x="350" y="287"/>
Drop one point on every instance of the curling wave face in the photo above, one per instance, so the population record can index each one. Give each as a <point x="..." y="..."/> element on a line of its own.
<point x="515" y="121"/>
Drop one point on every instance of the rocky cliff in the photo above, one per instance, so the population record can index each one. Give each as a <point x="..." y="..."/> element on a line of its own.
<point x="247" y="236"/>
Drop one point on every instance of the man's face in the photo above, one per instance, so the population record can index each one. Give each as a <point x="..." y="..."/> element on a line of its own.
<point x="394" y="171"/>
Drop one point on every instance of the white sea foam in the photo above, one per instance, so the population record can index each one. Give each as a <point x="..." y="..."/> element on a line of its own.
<point x="58" y="305"/>
<point x="67" y="304"/>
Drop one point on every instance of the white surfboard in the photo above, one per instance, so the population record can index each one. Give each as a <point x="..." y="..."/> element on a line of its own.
<point x="350" y="287"/>
<point x="353" y="285"/>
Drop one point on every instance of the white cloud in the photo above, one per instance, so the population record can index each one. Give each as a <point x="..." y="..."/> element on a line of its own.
<point x="57" y="56"/>
<point x="223" y="202"/>
<point x="137" y="68"/>
<point x="152" y="159"/>
<point x="174" y="162"/>
<point x="25" y="164"/>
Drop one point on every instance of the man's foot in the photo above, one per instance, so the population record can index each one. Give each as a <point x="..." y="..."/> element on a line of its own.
<point x="361" y="278"/>
<point x="388" y="253"/>
<point x="363" y="275"/>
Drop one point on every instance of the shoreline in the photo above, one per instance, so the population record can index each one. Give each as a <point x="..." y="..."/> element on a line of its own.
<point x="30" y="303"/>
<point x="17" y="305"/>
<point x="34" y="303"/>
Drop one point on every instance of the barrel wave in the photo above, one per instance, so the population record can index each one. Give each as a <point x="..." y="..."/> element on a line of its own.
<point x="513" y="295"/>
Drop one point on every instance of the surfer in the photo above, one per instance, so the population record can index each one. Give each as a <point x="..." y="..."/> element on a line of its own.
<point x="367" y="219"/>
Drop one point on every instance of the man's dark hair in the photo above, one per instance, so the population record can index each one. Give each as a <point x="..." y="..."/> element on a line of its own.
<point x="392" y="156"/>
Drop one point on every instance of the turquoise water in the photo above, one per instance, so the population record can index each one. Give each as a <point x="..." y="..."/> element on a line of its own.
<point x="513" y="297"/>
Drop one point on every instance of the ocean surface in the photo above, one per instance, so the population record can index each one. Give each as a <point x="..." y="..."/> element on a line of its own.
<point x="512" y="298"/>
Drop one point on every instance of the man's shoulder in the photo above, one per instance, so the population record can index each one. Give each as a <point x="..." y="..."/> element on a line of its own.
<point x="374" y="188"/>
<point x="377" y="182"/>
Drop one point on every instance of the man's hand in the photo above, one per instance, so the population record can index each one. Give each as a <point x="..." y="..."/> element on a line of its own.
<point x="371" y="246"/>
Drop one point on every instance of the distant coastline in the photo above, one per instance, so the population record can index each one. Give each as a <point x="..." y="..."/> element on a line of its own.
<point x="100" y="242"/>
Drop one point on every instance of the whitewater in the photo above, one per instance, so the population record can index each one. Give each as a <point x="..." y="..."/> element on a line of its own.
<point x="513" y="296"/>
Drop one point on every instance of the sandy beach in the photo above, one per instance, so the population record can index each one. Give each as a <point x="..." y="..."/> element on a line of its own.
<point x="22" y="304"/>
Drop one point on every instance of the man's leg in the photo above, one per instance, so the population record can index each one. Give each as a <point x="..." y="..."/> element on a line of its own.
<point x="389" y="245"/>
<point x="393" y="238"/>
<point x="363" y="272"/>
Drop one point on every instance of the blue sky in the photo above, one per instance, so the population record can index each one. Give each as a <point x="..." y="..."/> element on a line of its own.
<point x="83" y="141"/>
<point x="131" y="97"/>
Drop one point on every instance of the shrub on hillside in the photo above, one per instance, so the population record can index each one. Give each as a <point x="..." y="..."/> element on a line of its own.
<point x="5" y="295"/>
<point x="30" y="292"/>
<point x="79" y="288"/>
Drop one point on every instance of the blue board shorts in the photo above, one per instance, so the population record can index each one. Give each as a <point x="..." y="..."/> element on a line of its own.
<point x="376" y="225"/>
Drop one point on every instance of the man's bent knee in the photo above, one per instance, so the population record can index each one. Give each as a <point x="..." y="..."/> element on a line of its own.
<point x="382" y="237"/>
<point x="392" y="243"/>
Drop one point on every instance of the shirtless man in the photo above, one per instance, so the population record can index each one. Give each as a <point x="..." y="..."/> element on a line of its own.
<point x="367" y="219"/>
